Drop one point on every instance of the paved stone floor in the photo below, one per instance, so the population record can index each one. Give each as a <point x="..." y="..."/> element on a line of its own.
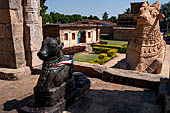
<point x="103" y="97"/>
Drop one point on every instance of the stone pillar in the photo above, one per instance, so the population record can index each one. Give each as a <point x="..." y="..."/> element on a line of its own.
<point x="12" y="54"/>
<point x="33" y="35"/>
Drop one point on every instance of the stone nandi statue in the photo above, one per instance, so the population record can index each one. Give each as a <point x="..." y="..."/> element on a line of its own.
<point x="146" y="49"/>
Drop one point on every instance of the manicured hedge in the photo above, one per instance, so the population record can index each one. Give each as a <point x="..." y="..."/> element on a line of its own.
<point x="112" y="52"/>
<point x="121" y="49"/>
<point x="98" y="50"/>
<point x="104" y="57"/>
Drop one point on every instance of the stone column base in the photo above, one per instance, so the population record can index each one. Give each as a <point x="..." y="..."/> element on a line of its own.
<point x="14" y="74"/>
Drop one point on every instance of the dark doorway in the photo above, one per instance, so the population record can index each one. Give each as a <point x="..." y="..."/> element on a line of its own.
<point x="83" y="37"/>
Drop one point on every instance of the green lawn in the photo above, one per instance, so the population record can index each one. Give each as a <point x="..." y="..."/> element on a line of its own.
<point x="115" y="42"/>
<point x="85" y="57"/>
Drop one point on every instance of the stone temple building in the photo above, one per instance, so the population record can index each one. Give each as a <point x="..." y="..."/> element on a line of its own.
<point x="20" y="34"/>
<point x="73" y="34"/>
<point x="126" y="24"/>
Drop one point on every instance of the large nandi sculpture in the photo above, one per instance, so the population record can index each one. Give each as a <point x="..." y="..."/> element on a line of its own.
<point x="146" y="49"/>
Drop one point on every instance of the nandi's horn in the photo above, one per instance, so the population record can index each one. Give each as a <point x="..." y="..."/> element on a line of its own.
<point x="156" y="5"/>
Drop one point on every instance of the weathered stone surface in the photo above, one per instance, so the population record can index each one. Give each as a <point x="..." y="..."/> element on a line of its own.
<point x="8" y="31"/>
<point x="31" y="17"/>
<point x="16" y="16"/>
<point x="126" y="77"/>
<point x="7" y="59"/>
<point x="51" y="31"/>
<point x="147" y="47"/>
<point x="131" y="78"/>
<point x="6" y="16"/>
<point x="17" y="30"/>
<point x="20" y="59"/>
<point x="167" y="103"/>
<point x="33" y="37"/>
<point x="164" y="94"/>
<point x="33" y="31"/>
<point x="91" y="70"/>
<point x="14" y="74"/>
<point x="7" y="45"/>
<point x="32" y="59"/>
<point x="10" y="4"/>
<point x="123" y="33"/>
<point x="2" y="30"/>
<point x="18" y="45"/>
<point x="150" y="108"/>
<point x="31" y="3"/>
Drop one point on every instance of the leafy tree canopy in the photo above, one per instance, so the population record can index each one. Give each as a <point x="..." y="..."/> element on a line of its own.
<point x="165" y="9"/>
<point x="55" y="17"/>
<point x="105" y="16"/>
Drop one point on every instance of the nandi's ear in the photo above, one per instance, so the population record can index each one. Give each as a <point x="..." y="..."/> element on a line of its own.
<point x="160" y="16"/>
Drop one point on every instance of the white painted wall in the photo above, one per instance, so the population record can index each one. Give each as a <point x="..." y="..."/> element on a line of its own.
<point x="70" y="42"/>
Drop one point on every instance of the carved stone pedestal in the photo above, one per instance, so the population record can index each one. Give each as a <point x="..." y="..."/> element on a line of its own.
<point x="57" y="108"/>
<point x="78" y="85"/>
<point x="57" y="99"/>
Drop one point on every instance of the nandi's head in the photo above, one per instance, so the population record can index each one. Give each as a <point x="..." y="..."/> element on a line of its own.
<point x="148" y="15"/>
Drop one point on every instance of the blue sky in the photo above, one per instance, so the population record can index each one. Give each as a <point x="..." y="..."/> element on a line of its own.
<point x="92" y="7"/>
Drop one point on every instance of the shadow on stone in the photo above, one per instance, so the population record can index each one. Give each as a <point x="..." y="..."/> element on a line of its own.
<point x="16" y="104"/>
<point x="103" y="101"/>
<point x="108" y="101"/>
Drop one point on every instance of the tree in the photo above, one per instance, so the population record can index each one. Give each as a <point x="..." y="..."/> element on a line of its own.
<point x="43" y="11"/>
<point x="127" y="11"/>
<point x="77" y="17"/>
<point x="105" y="16"/>
<point x="93" y="17"/>
<point x="165" y="9"/>
<point x="113" y="19"/>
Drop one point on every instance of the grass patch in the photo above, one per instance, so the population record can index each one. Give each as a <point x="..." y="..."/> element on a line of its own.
<point x="85" y="57"/>
<point x="114" y="42"/>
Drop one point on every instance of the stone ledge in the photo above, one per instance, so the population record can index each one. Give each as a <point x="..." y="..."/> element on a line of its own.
<point x="14" y="74"/>
<point x="119" y="76"/>
<point x="90" y="70"/>
<point x="131" y="78"/>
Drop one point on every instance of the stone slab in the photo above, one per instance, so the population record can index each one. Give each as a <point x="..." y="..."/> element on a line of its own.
<point x="132" y="78"/>
<point x="14" y="74"/>
<point x="91" y="70"/>
<point x="120" y="76"/>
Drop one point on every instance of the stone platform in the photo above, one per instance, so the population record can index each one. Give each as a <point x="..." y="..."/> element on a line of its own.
<point x="14" y="74"/>
<point x="103" y="97"/>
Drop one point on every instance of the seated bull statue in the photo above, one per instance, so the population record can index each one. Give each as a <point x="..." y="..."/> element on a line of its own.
<point x="146" y="49"/>
<point x="57" y="82"/>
